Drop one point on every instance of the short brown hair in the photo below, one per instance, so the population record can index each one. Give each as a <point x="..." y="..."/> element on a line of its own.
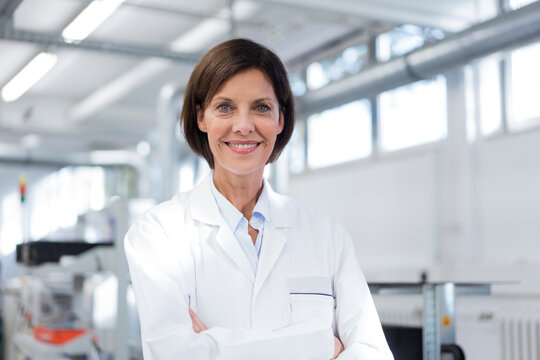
<point x="216" y="67"/>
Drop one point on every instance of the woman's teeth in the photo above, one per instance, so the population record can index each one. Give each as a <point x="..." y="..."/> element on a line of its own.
<point x="243" y="146"/>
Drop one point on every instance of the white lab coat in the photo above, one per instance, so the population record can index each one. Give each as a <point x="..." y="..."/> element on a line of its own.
<point x="182" y="254"/>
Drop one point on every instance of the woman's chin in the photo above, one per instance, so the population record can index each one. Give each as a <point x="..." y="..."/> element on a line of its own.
<point x="242" y="170"/>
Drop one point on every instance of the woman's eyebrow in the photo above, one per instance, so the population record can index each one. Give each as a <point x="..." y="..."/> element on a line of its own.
<point x="265" y="99"/>
<point x="224" y="98"/>
<point x="221" y="98"/>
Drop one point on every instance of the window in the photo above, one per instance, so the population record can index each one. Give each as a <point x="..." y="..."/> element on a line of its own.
<point x="521" y="90"/>
<point x="404" y="39"/>
<point x="298" y="84"/>
<point x="524" y="87"/>
<point x="348" y="62"/>
<point x="471" y="121"/>
<point x="340" y="134"/>
<point x="489" y="94"/>
<point x="413" y="114"/>
<point x="516" y="4"/>
<point x="297" y="148"/>
<point x="317" y="77"/>
<point x="354" y="58"/>
<point x="71" y="191"/>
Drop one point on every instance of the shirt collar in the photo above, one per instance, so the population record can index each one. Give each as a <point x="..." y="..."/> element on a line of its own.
<point x="232" y="215"/>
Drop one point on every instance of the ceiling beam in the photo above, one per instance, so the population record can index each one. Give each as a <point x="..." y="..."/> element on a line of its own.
<point x="116" y="89"/>
<point x="96" y="45"/>
<point x="398" y="13"/>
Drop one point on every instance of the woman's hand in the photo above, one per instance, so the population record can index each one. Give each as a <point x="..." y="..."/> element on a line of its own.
<point x="338" y="348"/>
<point x="198" y="325"/>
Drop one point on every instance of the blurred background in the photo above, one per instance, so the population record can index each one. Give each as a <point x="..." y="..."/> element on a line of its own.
<point x="418" y="130"/>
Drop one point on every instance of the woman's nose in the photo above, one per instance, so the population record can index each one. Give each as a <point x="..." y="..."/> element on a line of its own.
<point x="243" y="123"/>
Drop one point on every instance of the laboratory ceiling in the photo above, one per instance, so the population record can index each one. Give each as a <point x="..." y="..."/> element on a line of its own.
<point x="103" y="91"/>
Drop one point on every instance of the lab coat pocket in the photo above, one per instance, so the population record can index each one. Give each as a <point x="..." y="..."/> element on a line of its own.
<point x="311" y="298"/>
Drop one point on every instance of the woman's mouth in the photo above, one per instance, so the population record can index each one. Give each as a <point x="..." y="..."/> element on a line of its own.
<point x="242" y="147"/>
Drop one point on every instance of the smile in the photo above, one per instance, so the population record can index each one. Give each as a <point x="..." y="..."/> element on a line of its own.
<point x="243" y="146"/>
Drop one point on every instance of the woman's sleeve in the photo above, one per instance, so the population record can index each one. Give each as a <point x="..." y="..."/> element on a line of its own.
<point x="357" y="322"/>
<point x="162" y="296"/>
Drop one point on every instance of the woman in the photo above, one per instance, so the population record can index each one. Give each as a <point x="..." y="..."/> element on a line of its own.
<point x="230" y="269"/>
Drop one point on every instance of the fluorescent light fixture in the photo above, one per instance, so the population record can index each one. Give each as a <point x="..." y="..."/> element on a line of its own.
<point x="89" y="19"/>
<point x="28" y="76"/>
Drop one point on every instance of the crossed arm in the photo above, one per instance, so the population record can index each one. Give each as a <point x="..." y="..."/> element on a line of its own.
<point x="199" y="326"/>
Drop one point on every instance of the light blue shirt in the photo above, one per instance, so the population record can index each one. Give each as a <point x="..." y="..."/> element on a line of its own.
<point x="239" y="224"/>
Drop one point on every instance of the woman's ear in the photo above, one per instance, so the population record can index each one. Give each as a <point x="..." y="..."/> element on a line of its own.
<point x="200" y="118"/>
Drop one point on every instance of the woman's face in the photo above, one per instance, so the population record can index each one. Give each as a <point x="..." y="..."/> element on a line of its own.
<point x="242" y="122"/>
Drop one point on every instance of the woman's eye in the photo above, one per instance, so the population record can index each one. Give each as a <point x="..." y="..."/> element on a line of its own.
<point x="224" y="107"/>
<point x="262" y="108"/>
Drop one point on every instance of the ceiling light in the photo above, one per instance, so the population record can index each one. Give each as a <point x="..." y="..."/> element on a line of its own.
<point x="28" y="76"/>
<point x="89" y="19"/>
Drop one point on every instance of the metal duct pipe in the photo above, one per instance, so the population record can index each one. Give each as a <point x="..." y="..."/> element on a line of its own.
<point x="507" y="31"/>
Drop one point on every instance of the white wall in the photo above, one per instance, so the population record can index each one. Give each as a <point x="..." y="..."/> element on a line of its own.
<point x="464" y="211"/>
<point x="386" y="205"/>
<point x="510" y="198"/>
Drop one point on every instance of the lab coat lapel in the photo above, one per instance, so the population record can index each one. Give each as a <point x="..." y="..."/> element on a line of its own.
<point x="282" y="216"/>
<point x="230" y="246"/>
<point x="203" y="208"/>
<point x="273" y="244"/>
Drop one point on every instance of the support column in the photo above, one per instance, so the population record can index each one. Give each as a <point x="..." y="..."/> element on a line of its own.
<point x="455" y="181"/>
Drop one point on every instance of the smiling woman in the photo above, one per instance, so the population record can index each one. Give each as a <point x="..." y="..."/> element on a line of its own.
<point x="205" y="91"/>
<point x="230" y="269"/>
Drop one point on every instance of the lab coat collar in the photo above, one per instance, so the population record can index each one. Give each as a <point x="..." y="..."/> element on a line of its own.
<point x="282" y="212"/>
<point x="203" y="206"/>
